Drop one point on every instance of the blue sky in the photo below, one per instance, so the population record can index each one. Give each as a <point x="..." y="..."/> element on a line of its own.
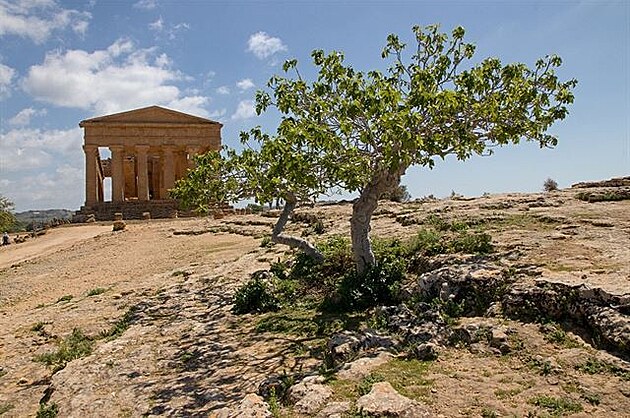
<point x="65" y="61"/>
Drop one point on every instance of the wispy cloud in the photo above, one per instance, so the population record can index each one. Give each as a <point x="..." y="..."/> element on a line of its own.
<point x="264" y="46"/>
<point x="6" y="78"/>
<point x="23" y="117"/>
<point x="245" y="84"/>
<point x="244" y="110"/>
<point x="38" y="19"/>
<point x="169" y="30"/>
<point x="145" y="4"/>
<point x="223" y="90"/>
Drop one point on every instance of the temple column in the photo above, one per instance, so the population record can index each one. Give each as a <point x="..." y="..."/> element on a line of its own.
<point x="143" y="172"/>
<point x="91" y="189"/>
<point x="168" y="168"/>
<point x="191" y="151"/>
<point x="118" y="174"/>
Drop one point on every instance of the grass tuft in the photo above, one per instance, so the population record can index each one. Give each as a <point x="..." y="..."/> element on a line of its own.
<point x="556" y="406"/>
<point x="96" y="291"/>
<point x="119" y="326"/>
<point x="74" y="346"/>
<point x="47" y="410"/>
<point x="65" y="298"/>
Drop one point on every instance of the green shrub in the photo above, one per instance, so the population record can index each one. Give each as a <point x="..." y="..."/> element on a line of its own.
<point x="47" y="411"/>
<point x="266" y="242"/>
<point x="398" y="194"/>
<point x="472" y="243"/>
<point x="254" y="208"/>
<point x="550" y="185"/>
<point x="74" y="346"/>
<point x="428" y="242"/>
<point x="376" y="286"/>
<point x="255" y="296"/>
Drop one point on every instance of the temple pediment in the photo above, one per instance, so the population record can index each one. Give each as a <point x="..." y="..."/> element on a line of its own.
<point x="148" y="115"/>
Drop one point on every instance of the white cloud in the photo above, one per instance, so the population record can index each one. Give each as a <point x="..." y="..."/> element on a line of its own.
<point x="24" y="148"/>
<point x="42" y="169"/>
<point x="223" y="90"/>
<point x="245" y="110"/>
<point x="217" y="114"/>
<point x="146" y="4"/>
<point x="245" y="84"/>
<point x="191" y="104"/>
<point x="23" y="117"/>
<point x="118" y="78"/>
<point x="38" y="19"/>
<point x="6" y="76"/>
<point x="57" y="188"/>
<point x="263" y="45"/>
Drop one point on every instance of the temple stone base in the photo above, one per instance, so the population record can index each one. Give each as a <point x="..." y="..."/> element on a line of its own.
<point x="104" y="211"/>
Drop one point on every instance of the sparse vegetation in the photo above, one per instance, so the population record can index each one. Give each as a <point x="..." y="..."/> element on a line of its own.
<point x="47" y="410"/>
<point x="65" y="298"/>
<point x="558" y="336"/>
<point x="489" y="413"/>
<point x="609" y="196"/>
<point x="556" y="406"/>
<point x="256" y="296"/>
<point x="38" y="326"/>
<point x="5" y="407"/>
<point x="119" y="326"/>
<point x="74" y="346"/>
<point x="594" y="365"/>
<point x="266" y="242"/>
<point x="550" y="185"/>
<point x="96" y="291"/>
<point x="7" y="218"/>
<point x="398" y="194"/>
<point x="365" y="385"/>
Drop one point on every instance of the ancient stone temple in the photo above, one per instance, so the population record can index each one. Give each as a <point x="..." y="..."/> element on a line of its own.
<point x="150" y="149"/>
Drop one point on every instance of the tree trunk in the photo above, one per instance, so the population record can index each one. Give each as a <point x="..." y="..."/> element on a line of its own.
<point x="362" y="211"/>
<point x="294" y="242"/>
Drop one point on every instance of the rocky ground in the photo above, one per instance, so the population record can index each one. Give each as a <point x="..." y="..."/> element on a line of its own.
<point x="153" y="302"/>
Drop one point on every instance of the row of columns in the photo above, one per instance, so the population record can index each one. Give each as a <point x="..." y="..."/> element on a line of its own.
<point x="169" y="171"/>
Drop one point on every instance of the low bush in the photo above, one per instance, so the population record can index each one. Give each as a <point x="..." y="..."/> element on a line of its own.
<point x="550" y="185"/>
<point x="256" y="296"/>
<point x="74" y="346"/>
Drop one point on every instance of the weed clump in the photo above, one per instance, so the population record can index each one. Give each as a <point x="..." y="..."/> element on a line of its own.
<point x="47" y="410"/>
<point x="556" y="406"/>
<point x="74" y="346"/>
<point x="256" y="296"/>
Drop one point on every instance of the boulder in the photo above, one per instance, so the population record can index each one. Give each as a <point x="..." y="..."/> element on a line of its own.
<point x="251" y="406"/>
<point x="335" y="410"/>
<point x="362" y="367"/>
<point x="384" y="401"/>
<point x="309" y="395"/>
<point x="425" y="352"/>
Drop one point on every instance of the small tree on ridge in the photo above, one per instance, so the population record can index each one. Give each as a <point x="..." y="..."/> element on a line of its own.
<point x="427" y="106"/>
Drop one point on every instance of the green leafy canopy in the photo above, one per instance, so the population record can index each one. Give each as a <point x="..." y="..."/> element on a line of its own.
<point x="429" y="107"/>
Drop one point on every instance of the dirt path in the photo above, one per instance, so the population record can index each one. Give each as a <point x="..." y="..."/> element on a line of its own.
<point x="56" y="239"/>
<point x="87" y="277"/>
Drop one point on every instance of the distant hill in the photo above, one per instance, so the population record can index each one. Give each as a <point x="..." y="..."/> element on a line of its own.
<point x="40" y="218"/>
